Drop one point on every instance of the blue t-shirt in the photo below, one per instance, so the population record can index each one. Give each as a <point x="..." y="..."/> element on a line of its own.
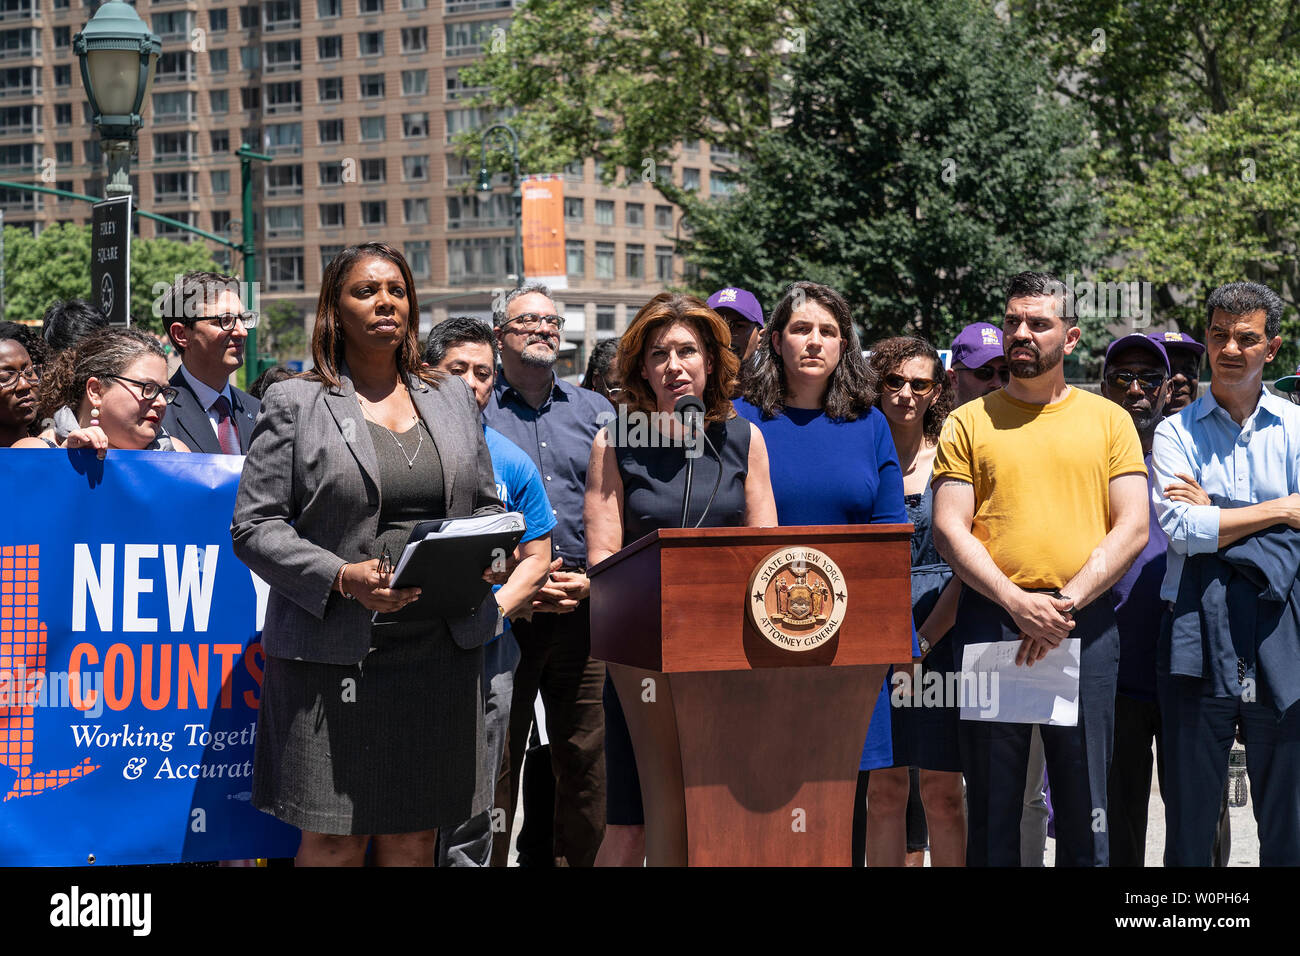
<point x="856" y="480"/>
<point x="519" y="486"/>
<point x="1138" y="607"/>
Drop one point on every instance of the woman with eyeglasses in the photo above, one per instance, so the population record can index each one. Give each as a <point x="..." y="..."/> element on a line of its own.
<point x="20" y="377"/>
<point x="916" y="398"/>
<point x="811" y="394"/>
<point x="114" y="382"/>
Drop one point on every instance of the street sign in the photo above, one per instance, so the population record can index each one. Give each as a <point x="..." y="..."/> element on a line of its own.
<point x="110" y="259"/>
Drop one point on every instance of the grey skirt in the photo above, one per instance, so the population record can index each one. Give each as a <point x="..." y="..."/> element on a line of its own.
<point x="393" y="744"/>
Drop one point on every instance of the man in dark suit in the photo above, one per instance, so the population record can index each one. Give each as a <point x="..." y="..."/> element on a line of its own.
<point x="207" y="323"/>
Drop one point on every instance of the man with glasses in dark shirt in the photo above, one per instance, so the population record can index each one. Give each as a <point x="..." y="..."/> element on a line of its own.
<point x="555" y="423"/>
<point x="208" y="325"/>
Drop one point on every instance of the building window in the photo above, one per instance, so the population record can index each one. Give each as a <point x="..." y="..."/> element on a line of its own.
<point x="63" y="153"/>
<point x="482" y="259"/>
<point x="415" y="39"/>
<point x="457" y="89"/>
<point x="664" y="264"/>
<point x="174" y="187"/>
<point x="220" y="181"/>
<point x="63" y="76"/>
<point x="173" y="146"/>
<point x="417" y="257"/>
<point x="250" y="58"/>
<point x="634" y="215"/>
<point x="62" y="38"/>
<point x="604" y="260"/>
<point x="415" y="4"/>
<point x="470" y="37"/>
<point x="415" y="169"/>
<point x="372" y="85"/>
<point x="572" y="209"/>
<point x="664" y="217"/>
<point x="371" y="43"/>
<point x="250" y="17"/>
<point x="374" y="213"/>
<point x="284" y="179"/>
<point x="284" y="269"/>
<point x="250" y="98"/>
<point x="220" y="221"/>
<point x="329" y="89"/>
<point x="62" y="115"/>
<point x="329" y="47"/>
<point x="218" y="61"/>
<point x="365" y="7"/>
<point x="329" y="9"/>
<point x="285" y="97"/>
<point x="220" y="140"/>
<point x="415" y="82"/>
<point x="373" y="170"/>
<point x="690" y="178"/>
<point x="635" y="261"/>
<point x="327" y="254"/>
<point x="491" y="211"/>
<point x="604" y="212"/>
<point x="575" y="252"/>
<point x="331" y="215"/>
<point x="219" y="101"/>
<point x="329" y="131"/>
<point x="415" y="125"/>
<point x="218" y="21"/>
<point x="281" y="15"/>
<point x="284" y="138"/>
<point x="372" y="129"/>
<point x="720" y="184"/>
<point x="415" y="212"/>
<point x="604" y="318"/>
<point x="283" y="222"/>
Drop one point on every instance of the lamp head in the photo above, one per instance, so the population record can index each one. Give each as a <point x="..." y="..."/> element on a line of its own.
<point x="484" y="180"/>
<point x="118" y="54"/>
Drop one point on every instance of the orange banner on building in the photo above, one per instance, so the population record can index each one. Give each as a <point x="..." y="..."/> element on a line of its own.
<point x="543" y="230"/>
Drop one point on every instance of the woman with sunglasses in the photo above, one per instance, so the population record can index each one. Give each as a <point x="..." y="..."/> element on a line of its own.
<point x="915" y="397"/>
<point x="811" y="394"/>
<point x="115" y="384"/>
<point x="20" y="376"/>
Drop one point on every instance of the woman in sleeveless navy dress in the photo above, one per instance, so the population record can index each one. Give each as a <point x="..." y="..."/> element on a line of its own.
<point x="676" y="346"/>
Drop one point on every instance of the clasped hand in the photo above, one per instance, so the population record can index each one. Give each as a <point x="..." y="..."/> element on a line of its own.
<point x="373" y="590"/>
<point x="1044" y="621"/>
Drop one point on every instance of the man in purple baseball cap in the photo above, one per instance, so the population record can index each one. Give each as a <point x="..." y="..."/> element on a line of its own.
<point x="1291" y="385"/>
<point x="1185" y="354"/>
<point x="978" y="363"/>
<point x="743" y="315"/>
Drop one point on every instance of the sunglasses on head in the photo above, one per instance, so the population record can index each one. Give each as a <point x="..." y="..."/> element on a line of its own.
<point x="985" y="373"/>
<point x="920" y="386"/>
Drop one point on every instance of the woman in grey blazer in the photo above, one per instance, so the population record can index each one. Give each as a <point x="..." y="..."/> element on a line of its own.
<point x="363" y="731"/>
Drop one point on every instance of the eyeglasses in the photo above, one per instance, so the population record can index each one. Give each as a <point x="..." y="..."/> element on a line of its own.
<point x="614" y="393"/>
<point x="227" y="320"/>
<point x="532" y="321"/>
<point x="1147" y="381"/>
<point x="985" y="373"/>
<point x="920" y="386"/>
<point x="10" y="376"/>
<point x="150" y="390"/>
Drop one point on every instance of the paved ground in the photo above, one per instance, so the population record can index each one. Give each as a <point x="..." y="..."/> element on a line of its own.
<point x="1245" y="835"/>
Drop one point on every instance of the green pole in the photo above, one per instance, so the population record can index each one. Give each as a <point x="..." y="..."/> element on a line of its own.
<point x="253" y="361"/>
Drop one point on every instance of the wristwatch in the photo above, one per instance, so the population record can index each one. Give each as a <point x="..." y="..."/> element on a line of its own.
<point x="924" y="644"/>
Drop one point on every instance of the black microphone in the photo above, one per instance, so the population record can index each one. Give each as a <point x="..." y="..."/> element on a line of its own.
<point x="691" y="411"/>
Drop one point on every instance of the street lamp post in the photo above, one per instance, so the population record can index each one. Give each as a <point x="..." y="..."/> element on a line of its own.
<point x="118" y="54"/>
<point x="247" y="156"/>
<point x="506" y="137"/>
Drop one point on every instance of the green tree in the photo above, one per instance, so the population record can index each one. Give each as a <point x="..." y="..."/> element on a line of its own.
<point x="56" y="265"/>
<point x="921" y="166"/>
<point x="281" y="332"/>
<point x="626" y="82"/>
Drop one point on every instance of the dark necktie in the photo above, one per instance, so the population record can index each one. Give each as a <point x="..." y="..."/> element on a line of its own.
<point x="226" y="433"/>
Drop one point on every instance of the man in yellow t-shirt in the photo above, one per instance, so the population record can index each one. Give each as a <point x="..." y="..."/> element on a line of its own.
<point x="1039" y="507"/>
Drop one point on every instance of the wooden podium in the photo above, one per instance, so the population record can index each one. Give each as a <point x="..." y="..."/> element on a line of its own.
<point x="747" y="750"/>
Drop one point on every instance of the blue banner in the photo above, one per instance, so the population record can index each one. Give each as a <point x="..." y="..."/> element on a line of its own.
<point x="130" y="663"/>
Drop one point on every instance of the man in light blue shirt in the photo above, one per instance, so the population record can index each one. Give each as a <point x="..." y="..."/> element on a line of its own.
<point x="1226" y="467"/>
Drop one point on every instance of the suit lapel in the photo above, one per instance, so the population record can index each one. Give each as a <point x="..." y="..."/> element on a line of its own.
<point x="192" y="419"/>
<point x="343" y="405"/>
<point x="244" y="418"/>
<point x="426" y="406"/>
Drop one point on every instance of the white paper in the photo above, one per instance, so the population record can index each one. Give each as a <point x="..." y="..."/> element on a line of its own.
<point x="996" y="689"/>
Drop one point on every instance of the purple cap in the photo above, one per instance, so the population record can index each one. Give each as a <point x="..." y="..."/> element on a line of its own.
<point x="1176" y="340"/>
<point x="1136" y="340"/>
<point x="976" y="344"/>
<point x="739" y="301"/>
<point x="1288" y="383"/>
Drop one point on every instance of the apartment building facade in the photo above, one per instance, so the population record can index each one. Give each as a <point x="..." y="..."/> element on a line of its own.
<point x="357" y="101"/>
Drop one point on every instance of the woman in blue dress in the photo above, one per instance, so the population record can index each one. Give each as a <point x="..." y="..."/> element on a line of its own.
<point x="636" y="479"/>
<point x="915" y="398"/>
<point x="832" y="461"/>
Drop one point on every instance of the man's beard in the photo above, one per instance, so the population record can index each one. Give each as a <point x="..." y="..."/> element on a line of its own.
<point x="536" y="360"/>
<point x="1025" y="368"/>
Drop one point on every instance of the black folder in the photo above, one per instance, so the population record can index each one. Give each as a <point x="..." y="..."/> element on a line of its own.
<point x="449" y="569"/>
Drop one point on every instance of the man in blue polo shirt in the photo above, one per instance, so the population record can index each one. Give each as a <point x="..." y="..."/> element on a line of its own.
<point x="555" y="423"/>
<point x="466" y="348"/>
<point x="1216" y="668"/>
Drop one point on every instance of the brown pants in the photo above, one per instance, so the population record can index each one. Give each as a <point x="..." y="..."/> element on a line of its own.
<point x="554" y="658"/>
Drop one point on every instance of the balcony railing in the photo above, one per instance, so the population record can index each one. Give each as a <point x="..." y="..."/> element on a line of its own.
<point x="285" y="149"/>
<point x="178" y="77"/>
<point x="174" y="197"/>
<point x="282" y="66"/>
<point x="473" y="6"/>
<point x="280" y="109"/>
<point x="281" y="192"/>
<point x="174" y="116"/>
<point x="17" y="92"/>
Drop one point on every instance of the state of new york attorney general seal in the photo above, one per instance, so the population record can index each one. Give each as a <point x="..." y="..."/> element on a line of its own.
<point x="797" y="598"/>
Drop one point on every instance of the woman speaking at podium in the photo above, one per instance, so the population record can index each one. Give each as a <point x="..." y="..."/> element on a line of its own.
<point x="675" y="347"/>
<point x="363" y="731"/>
<point x="811" y="394"/>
